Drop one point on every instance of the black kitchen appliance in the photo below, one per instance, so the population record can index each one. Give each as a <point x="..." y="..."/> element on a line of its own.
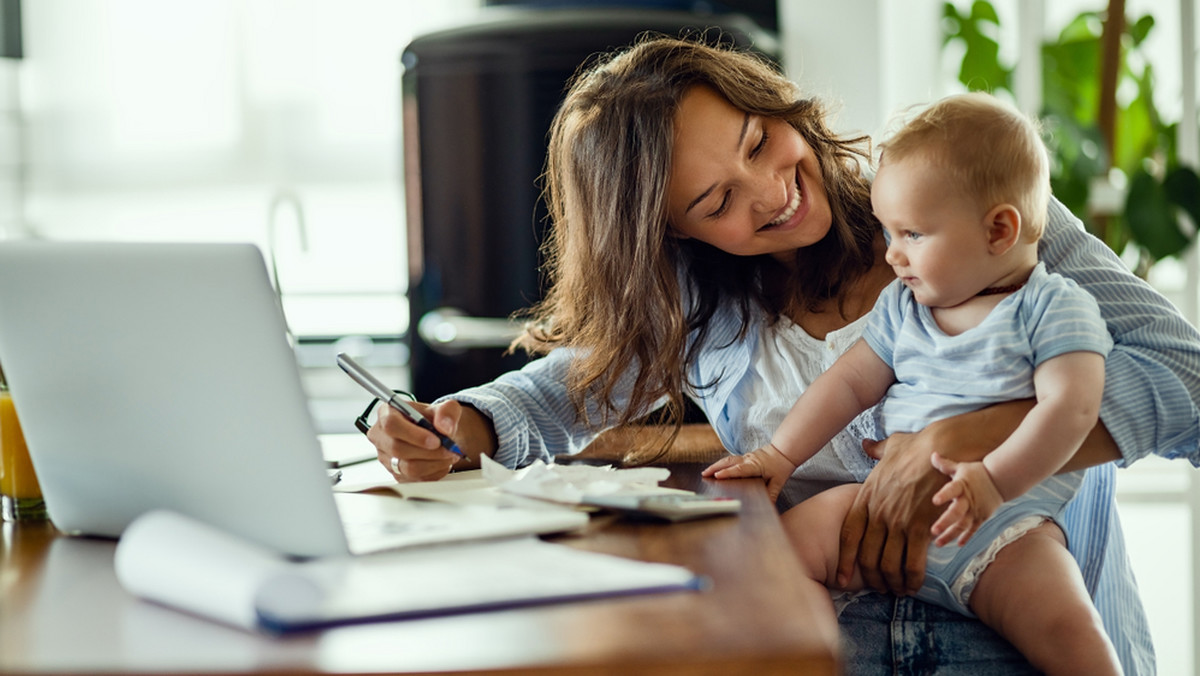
<point x="477" y="104"/>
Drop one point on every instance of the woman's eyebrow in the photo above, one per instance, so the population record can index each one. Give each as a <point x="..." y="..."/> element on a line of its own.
<point x="740" y="140"/>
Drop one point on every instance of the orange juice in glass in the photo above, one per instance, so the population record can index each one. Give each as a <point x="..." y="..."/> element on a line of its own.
<point x="19" y="490"/>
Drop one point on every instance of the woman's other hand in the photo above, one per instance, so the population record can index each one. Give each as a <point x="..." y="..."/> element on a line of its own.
<point x="887" y="530"/>
<point x="411" y="453"/>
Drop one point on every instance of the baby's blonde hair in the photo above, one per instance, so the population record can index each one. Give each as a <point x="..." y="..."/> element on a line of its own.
<point x="991" y="152"/>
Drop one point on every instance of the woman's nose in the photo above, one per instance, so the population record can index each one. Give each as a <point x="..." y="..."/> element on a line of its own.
<point x="771" y="193"/>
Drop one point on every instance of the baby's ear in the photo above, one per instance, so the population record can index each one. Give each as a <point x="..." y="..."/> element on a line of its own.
<point x="1003" y="225"/>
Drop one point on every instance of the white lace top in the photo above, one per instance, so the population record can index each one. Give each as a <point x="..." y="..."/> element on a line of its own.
<point x="786" y="360"/>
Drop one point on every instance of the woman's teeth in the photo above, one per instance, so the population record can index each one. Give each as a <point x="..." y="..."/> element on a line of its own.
<point x="790" y="210"/>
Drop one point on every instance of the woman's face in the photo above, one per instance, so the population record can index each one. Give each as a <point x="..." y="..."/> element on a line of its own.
<point x="745" y="184"/>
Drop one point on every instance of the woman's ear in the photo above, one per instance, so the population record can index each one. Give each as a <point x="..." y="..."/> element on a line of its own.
<point x="1003" y="225"/>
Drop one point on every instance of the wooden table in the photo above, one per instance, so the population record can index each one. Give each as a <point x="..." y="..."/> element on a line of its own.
<point x="62" y="610"/>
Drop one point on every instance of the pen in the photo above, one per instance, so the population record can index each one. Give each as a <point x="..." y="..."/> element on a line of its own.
<point x="384" y="393"/>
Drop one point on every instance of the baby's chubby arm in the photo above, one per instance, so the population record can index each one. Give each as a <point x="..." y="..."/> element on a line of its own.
<point x="1069" y="388"/>
<point x="855" y="382"/>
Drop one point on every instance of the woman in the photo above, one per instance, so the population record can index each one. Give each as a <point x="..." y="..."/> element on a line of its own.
<point x="711" y="239"/>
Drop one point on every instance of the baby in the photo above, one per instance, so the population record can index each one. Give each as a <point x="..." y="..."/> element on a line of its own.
<point x="973" y="319"/>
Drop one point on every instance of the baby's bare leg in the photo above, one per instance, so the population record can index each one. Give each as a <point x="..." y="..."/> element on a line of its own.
<point x="1033" y="595"/>
<point x="814" y="527"/>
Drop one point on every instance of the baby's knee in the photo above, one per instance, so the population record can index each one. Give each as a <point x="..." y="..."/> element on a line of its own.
<point x="1080" y="642"/>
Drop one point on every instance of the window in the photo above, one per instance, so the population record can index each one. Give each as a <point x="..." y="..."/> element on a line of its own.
<point x="210" y="120"/>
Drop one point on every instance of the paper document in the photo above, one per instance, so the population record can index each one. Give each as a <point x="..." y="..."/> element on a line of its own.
<point x="570" y="484"/>
<point x="537" y="484"/>
<point x="179" y="562"/>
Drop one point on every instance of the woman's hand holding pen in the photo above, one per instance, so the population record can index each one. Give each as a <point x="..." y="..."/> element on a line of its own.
<point x="415" y="454"/>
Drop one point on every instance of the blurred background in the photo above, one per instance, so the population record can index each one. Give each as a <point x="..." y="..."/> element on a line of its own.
<point x="384" y="153"/>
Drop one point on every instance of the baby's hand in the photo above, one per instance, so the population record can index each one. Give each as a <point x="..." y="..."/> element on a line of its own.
<point x="972" y="495"/>
<point x="767" y="462"/>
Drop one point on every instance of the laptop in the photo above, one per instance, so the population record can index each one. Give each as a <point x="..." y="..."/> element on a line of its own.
<point x="159" y="376"/>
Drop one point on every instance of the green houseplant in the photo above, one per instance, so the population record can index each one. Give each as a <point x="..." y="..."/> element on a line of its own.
<point x="1096" y="137"/>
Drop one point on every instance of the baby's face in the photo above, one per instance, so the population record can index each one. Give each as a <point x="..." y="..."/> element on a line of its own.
<point x="938" y="241"/>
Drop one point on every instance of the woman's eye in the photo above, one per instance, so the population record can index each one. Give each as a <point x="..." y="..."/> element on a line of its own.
<point x="761" y="143"/>
<point x="913" y="236"/>
<point x="721" y="208"/>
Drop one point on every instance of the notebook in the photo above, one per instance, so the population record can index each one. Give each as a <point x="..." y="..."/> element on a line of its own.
<point x="158" y="376"/>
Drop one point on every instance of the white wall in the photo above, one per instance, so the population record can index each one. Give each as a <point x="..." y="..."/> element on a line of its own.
<point x="870" y="57"/>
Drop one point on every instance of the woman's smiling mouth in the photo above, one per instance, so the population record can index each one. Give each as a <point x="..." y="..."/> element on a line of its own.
<point x="789" y="211"/>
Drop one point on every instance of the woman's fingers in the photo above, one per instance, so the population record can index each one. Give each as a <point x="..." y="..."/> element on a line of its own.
<point x="410" y="452"/>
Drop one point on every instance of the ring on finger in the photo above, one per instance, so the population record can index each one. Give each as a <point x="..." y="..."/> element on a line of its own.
<point x="395" y="465"/>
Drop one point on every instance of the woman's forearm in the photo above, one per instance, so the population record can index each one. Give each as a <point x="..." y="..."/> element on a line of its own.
<point x="634" y="444"/>
<point x="475" y="436"/>
<point x="1098" y="448"/>
<point x="971" y="436"/>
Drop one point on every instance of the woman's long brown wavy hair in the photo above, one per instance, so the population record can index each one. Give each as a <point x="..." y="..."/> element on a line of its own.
<point x="613" y="268"/>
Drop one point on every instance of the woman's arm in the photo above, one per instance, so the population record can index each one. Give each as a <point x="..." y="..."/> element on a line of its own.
<point x="522" y="416"/>
<point x="1151" y="399"/>
<point x="643" y="443"/>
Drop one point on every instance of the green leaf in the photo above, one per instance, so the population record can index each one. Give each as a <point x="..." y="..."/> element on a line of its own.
<point x="1071" y="78"/>
<point x="1140" y="29"/>
<point x="1136" y="134"/>
<point x="982" y="10"/>
<point x="1151" y="217"/>
<point x="1182" y="186"/>
<point x="980" y="68"/>
<point x="1085" y="26"/>
<point x="1170" y="136"/>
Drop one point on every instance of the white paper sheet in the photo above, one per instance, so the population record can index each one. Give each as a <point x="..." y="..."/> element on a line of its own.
<point x="571" y="483"/>
<point x="179" y="562"/>
<point x="530" y="486"/>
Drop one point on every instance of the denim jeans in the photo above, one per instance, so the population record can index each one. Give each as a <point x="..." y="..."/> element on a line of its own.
<point x="884" y="634"/>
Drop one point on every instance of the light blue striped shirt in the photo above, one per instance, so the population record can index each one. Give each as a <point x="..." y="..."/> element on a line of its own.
<point x="1151" y="390"/>
<point x="940" y="375"/>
